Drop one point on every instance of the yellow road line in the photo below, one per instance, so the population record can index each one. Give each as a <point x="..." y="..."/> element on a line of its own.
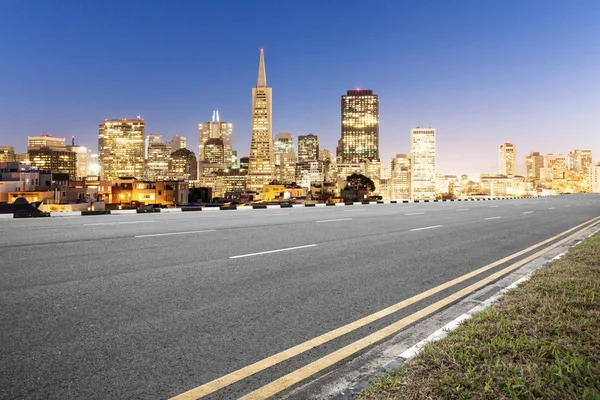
<point x="307" y="371"/>
<point x="245" y="372"/>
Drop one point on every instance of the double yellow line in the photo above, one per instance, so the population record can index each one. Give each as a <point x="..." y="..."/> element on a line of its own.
<point x="327" y="361"/>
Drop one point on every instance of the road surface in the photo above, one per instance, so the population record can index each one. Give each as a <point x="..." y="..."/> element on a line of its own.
<point x="152" y="305"/>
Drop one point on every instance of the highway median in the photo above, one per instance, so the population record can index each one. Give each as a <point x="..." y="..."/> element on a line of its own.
<point x="540" y="340"/>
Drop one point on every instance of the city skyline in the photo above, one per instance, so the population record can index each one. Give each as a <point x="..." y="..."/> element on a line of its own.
<point x="488" y="97"/>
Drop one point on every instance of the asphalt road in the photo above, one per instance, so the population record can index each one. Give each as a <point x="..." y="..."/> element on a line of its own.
<point x="147" y="306"/>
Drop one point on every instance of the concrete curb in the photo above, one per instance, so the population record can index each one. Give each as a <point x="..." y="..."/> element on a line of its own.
<point x="261" y="206"/>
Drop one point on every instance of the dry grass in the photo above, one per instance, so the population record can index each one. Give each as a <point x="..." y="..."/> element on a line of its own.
<point x="540" y="341"/>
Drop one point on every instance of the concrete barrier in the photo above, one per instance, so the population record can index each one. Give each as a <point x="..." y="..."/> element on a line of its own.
<point x="6" y="216"/>
<point x="96" y="212"/>
<point x="66" y="214"/>
<point x="187" y="209"/>
<point x="119" y="212"/>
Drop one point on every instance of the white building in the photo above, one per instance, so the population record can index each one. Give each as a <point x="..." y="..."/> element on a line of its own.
<point x="422" y="145"/>
<point x="594" y="177"/>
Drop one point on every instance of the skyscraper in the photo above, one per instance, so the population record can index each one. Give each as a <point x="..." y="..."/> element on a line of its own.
<point x="284" y="143"/>
<point x="216" y="129"/>
<point x="508" y="159"/>
<point x="7" y="153"/>
<point x="401" y="177"/>
<point x="360" y="127"/>
<point x="422" y="148"/>
<point x="150" y="139"/>
<point x="534" y="162"/>
<point x="57" y="159"/>
<point x="44" y="140"/>
<point x="178" y="142"/>
<point x="262" y="164"/>
<point x="308" y="147"/>
<point x="183" y="165"/>
<point x="157" y="163"/>
<point x="580" y="160"/>
<point x="121" y="148"/>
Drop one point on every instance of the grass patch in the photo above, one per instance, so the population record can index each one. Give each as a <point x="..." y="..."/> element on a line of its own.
<point x="541" y="340"/>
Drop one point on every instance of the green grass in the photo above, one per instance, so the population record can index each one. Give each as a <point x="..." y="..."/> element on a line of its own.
<point x="539" y="341"/>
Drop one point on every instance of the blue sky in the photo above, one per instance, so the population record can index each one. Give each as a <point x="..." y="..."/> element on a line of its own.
<point x="480" y="72"/>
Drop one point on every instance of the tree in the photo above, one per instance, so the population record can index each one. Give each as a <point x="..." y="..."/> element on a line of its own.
<point x="359" y="180"/>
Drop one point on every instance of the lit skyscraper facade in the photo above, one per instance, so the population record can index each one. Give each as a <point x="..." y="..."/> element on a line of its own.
<point x="261" y="168"/>
<point x="422" y="157"/>
<point x="183" y="165"/>
<point x="45" y="140"/>
<point x="121" y="148"/>
<point x="216" y="129"/>
<point x="81" y="153"/>
<point x="284" y="143"/>
<point x="150" y="139"/>
<point x="157" y="163"/>
<point x="214" y="151"/>
<point x="7" y="153"/>
<point x="580" y="160"/>
<point x="508" y="159"/>
<point x="308" y="147"/>
<point x="360" y="127"/>
<point x="534" y="162"/>
<point x="57" y="159"/>
<point x="401" y="177"/>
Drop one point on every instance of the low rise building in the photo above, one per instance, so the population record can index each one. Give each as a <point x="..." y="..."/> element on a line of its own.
<point x="281" y="192"/>
<point x="130" y="190"/>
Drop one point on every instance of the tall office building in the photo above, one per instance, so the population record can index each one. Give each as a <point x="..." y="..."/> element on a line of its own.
<point x="580" y="160"/>
<point x="183" y="165"/>
<point x="534" y="162"/>
<point x="81" y="153"/>
<point x="262" y="164"/>
<point x="308" y="147"/>
<point x="422" y="157"/>
<point x="284" y="143"/>
<point x="45" y="140"/>
<point x="594" y="178"/>
<point x="508" y="159"/>
<point x="152" y="138"/>
<point x="286" y="170"/>
<point x="157" y="163"/>
<point x="57" y="159"/>
<point x="401" y="177"/>
<point x="555" y="161"/>
<point x="214" y="151"/>
<point x="216" y="129"/>
<point x="360" y="127"/>
<point x="7" y="154"/>
<point x="325" y="155"/>
<point x="121" y="148"/>
<point x="244" y="162"/>
<point x="178" y="142"/>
